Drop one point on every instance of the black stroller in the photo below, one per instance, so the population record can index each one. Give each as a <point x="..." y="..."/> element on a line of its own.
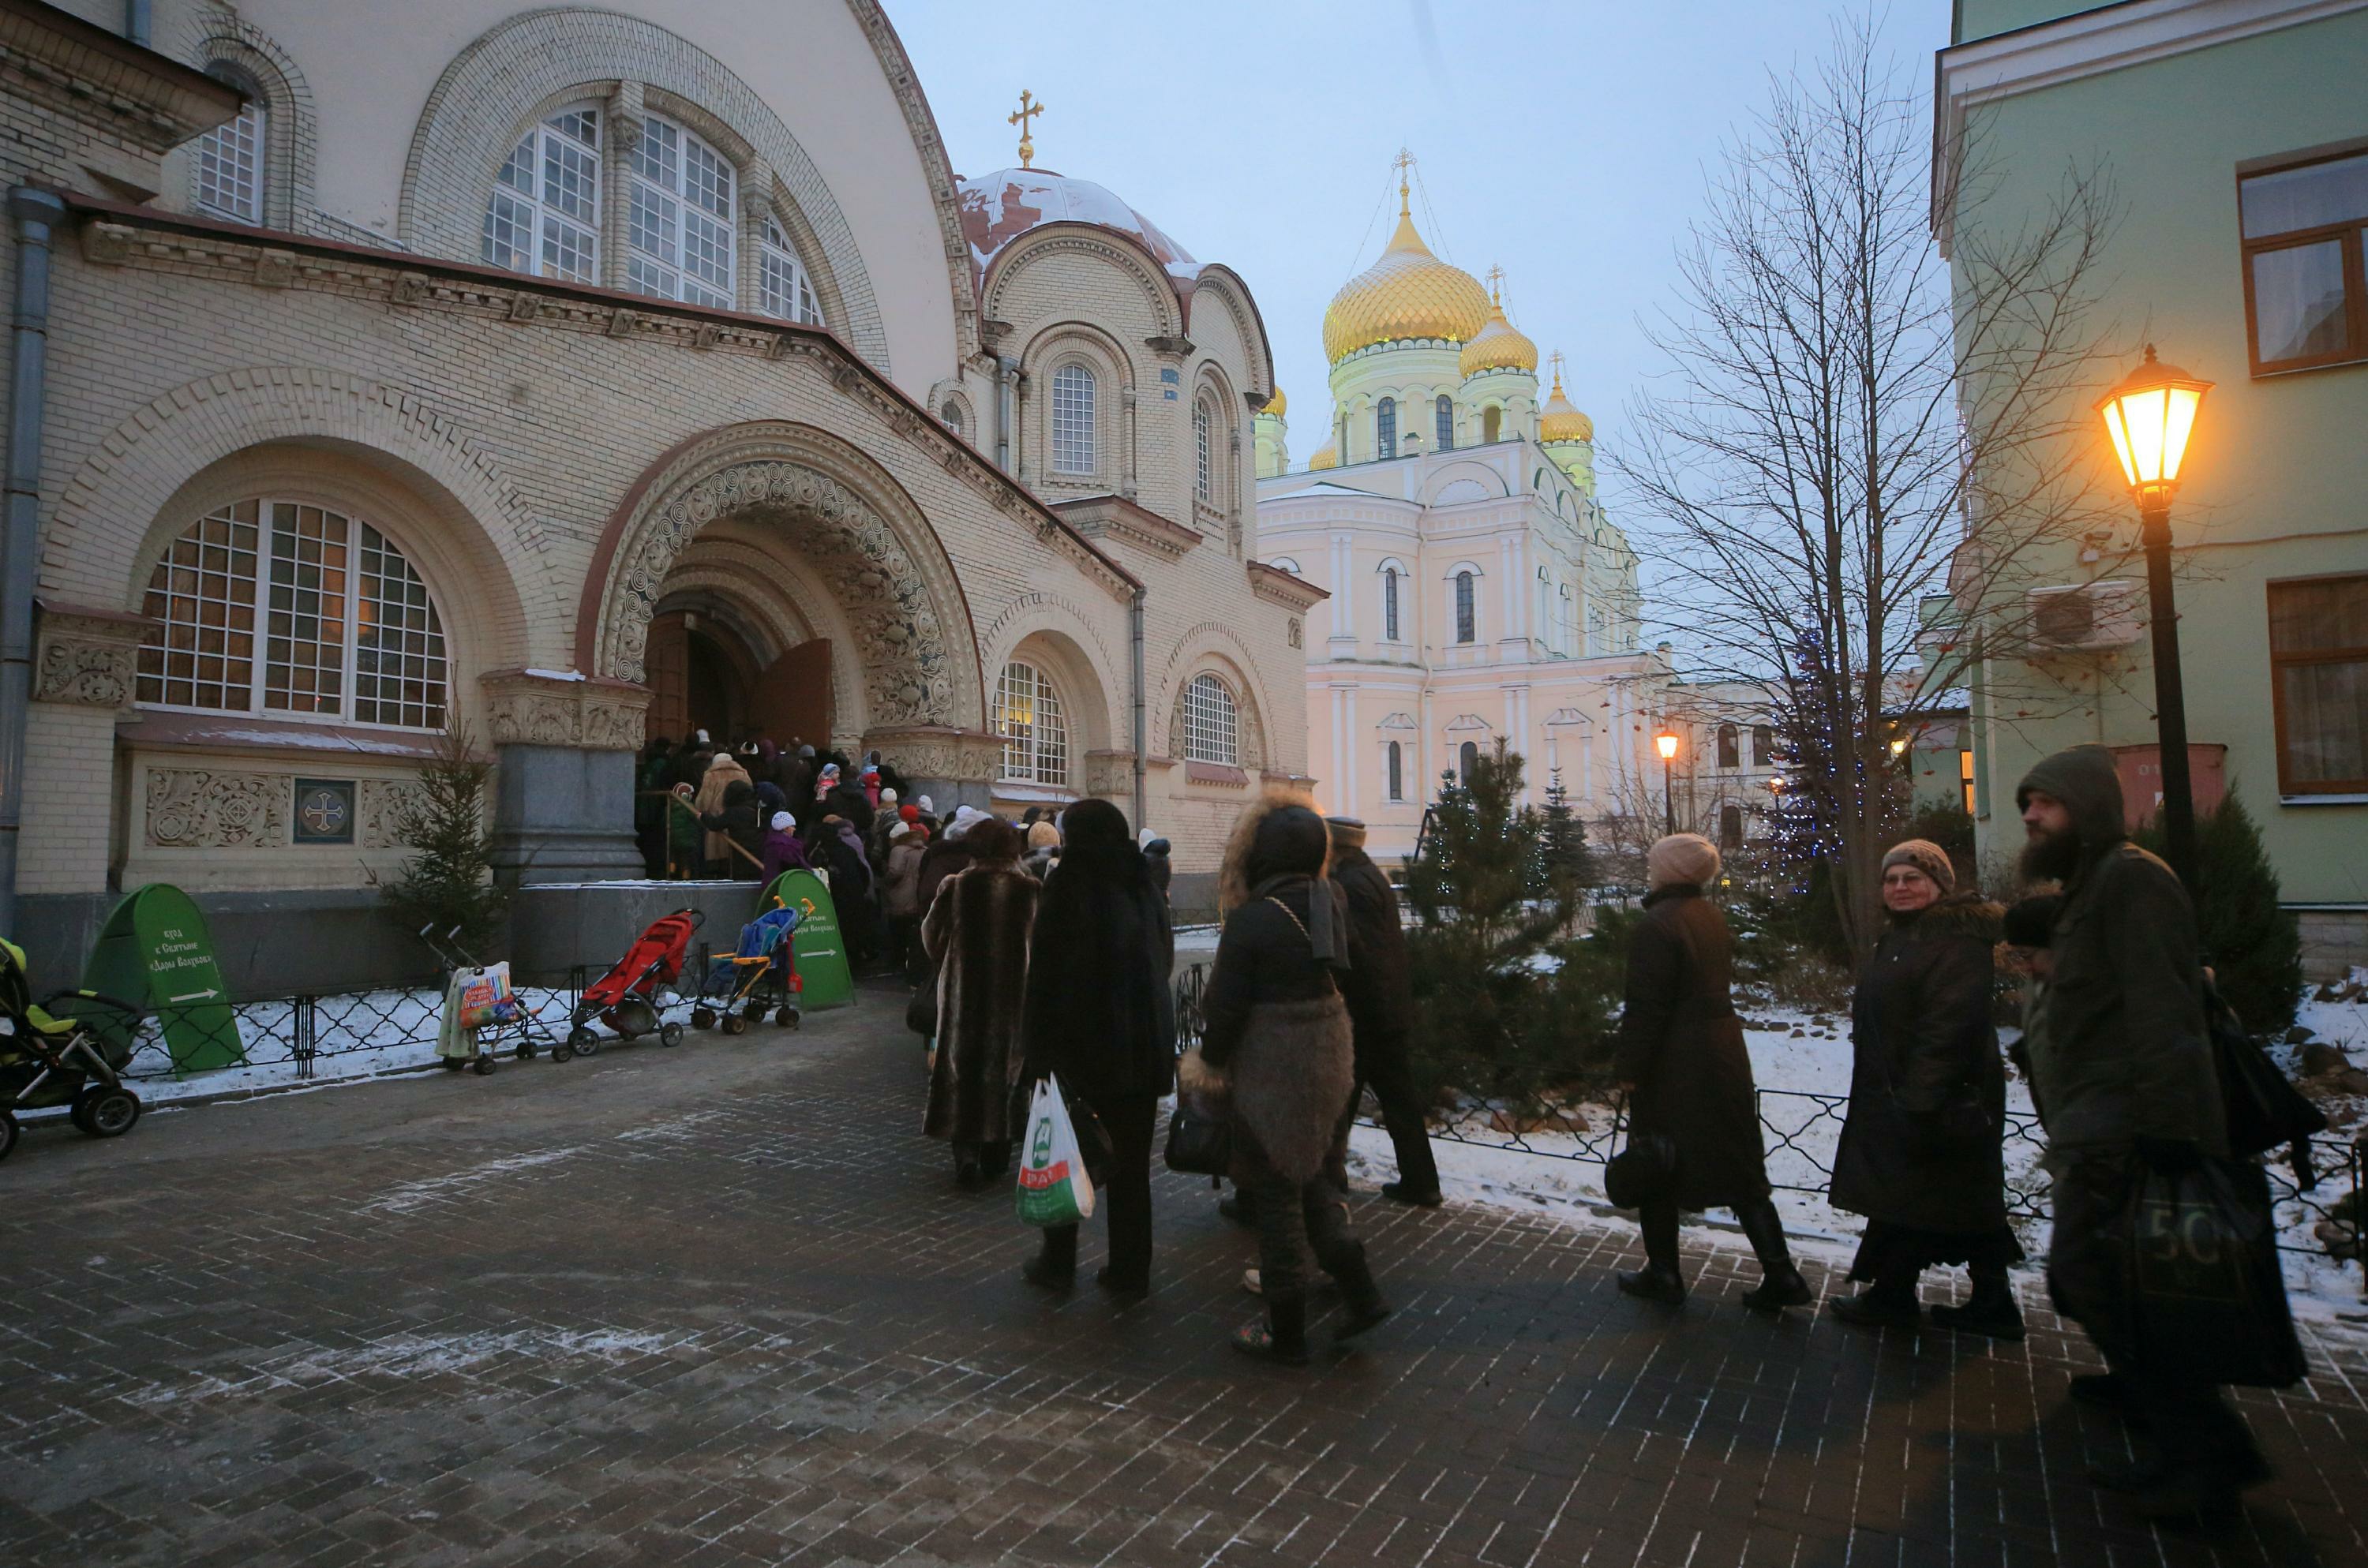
<point x="76" y="1061"/>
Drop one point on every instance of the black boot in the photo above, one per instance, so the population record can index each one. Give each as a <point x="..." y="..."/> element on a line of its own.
<point x="1361" y="1304"/>
<point x="1886" y="1303"/>
<point x="1283" y="1336"/>
<point x="1780" y="1284"/>
<point x="1991" y="1310"/>
<point x="1055" y="1267"/>
<point x="1654" y="1282"/>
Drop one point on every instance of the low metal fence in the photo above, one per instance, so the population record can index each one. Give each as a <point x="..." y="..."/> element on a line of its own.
<point x="1797" y="1124"/>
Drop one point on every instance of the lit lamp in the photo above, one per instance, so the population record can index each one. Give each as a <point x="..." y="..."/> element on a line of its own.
<point x="2150" y="417"/>
<point x="1666" y="743"/>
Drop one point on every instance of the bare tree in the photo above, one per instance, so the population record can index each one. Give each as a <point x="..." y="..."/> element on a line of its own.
<point x="1812" y="476"/>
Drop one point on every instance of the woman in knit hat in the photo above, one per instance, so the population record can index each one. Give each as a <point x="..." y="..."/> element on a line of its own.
<point x="1689" y="1078"/>
<point x="1920" y="1153"/>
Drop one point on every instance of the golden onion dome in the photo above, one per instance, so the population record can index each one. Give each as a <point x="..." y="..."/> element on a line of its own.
<point x="1276" y="405"/>
<point x="1499" y="346"/>
<point x="1560" y="420"/>
<point x="1326" y="456"/>
<point x="1410" y="293"/>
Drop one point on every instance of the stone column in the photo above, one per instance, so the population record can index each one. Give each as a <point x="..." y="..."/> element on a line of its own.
<point x="953" y="768"/>
<point x="85" y="663"/>
<point x="757" y="181"/>
<point x="564" y="776"/>
<point x="620" y="133"/>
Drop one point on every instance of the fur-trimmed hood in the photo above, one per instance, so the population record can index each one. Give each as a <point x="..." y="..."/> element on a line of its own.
<point x="1959" y="914"/>
<point x="1234" y="874"/>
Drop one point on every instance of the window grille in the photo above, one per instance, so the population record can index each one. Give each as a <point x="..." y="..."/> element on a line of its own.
<point x="952" y="414"/>
<point x="544" y="217"/>
<point x="1390" y="604"/>
<point x="1397" y="771"/>
<point x="1446" y="441"/>
<point x="229" y="165"/>
<point x="1200" y="483"/>
<point x="348" y="627"/>
<point x="784" y="289"/>
<point x="1211" y="723"/>
<point x="1073" y="420"/>
<point x="1035" y="734"/>
<point x="1468" y="629"/>
<point x="1385" y="427"/>
<point x="679" y="231"/>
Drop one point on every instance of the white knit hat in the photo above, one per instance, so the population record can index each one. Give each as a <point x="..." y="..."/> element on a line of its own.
<point x="784" y="823"/>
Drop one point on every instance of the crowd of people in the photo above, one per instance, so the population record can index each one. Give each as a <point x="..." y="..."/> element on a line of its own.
<point x="1044" y="949"/>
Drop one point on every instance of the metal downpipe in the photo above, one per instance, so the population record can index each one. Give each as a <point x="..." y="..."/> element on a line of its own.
<point x="35" y="214"/>
<point x="1142" y="707"/>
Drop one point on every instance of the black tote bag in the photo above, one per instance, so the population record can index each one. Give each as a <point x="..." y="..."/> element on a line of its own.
<point x="2206" y="1291"/>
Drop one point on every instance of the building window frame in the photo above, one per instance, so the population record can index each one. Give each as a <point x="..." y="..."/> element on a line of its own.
<point x="2284" y="661"/>
<point x="1393" y="770"/>
<point x="1075" y="396"/>
<point x="1204" y="421"/>
<point x="784" y="287"/>
<point x="1467" y="758"/>
<point x="1763" y="746"/>
<point x="1444" y="422"/>
<point x="1466" y="593"/>
<point x="1730" y="747"/>
<point x="1212" y="721"/>
<point x="1034" y="725"/>
<point x="1385" y="427"/>
<point x="2349" y="235"/>
<point x="561" y="221"/>
<point x="682" y="225"/>
<point x="235" y="154"/>
<point x="1390" y="604"/>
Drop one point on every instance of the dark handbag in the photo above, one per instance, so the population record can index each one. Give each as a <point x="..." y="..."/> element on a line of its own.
<point x="2264" y="1110"/>
<point x="1645" y="1172"/>
<point x="2206" y="1293"/>
<point x="1199" y="1136"/>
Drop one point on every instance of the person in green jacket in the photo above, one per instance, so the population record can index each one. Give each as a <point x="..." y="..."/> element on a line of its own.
<point x="2122" y="1071"/>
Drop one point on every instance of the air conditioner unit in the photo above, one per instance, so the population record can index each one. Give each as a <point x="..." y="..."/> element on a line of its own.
<point x="2085" y="616"/>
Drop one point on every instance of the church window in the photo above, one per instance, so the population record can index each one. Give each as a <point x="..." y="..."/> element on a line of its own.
<point x="1730" y="827"/>
<point x="1202" y="486"/>
<point x="1730" y="746"/>
<point x="1466" y="611"/>
<point x="1446" y="441"/>
<point x="1211" y="723"/>
<point x="544" y="217"/>
<point x="679" y="231"/>
<point x="784" y="287"/>
<point x="1035" y="734"/>
<point x="1390" y="604"/>
<point x="1385" y="427"/>
<point x="952" y="414"/>
<point x="1763" y="746"/>
<point x="1492" y="425"/>
<point x="1467" y="758"/>
<point x="1073" y="420"/>
<point x="284" y="608"/>
<point x="228" y="161"/>
<point x="1396" y="754"/>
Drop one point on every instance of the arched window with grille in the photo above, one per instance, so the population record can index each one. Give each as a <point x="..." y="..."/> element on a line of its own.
<point x="784" y="287"/>
<point x="1035" y="733"/>
<point x="678" y="233"/>
<point x="1445" y="441"/>
<point x="1385" y="427"/>
<point x="1390" y="604"/>
<point x="1730" y="746"/>
<point x="1202" y="485"/>
<point x="1211" y="723"/>
<point x="951" y="414"/>
<point x="1073" y="419"/>
<point x="226" y="163"/>
<point x="1397" y="757"/>
<point x="1467" y="615"/>
<point x="285" y="608"/>
<point x="544" y="217"/>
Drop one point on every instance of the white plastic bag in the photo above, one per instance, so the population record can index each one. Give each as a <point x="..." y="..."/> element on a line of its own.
<point x="1053" y="1188"/>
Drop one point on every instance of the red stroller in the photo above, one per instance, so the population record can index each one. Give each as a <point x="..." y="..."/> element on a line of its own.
<point x="626" y="998"/>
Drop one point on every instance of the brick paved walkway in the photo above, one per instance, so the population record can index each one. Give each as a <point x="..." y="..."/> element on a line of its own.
<point x="722" y="1306"/>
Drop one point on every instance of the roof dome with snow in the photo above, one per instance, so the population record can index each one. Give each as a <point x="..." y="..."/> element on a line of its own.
<point x="998" y="208"/>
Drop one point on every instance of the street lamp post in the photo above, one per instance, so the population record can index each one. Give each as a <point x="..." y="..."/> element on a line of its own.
<point x="1666" y="743"/>
<point x="2149" y="418"/>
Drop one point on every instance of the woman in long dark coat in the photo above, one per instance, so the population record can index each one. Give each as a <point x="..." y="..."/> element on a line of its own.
<point x="1099" y="1016"/>
<point x="1920" y="1155"/>
<point x="977" y="930"/>
<point x="1681" y="1054"/>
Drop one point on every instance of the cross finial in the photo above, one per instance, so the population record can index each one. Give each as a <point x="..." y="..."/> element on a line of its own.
<point x="1554" y="360"/>
<point x="1403" y="163"/>
<point x="1028" y="111"/>
<point x="1496" y="285"/>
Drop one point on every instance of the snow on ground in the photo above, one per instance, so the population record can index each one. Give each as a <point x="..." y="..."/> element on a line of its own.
<point x="1802" y="1062"/>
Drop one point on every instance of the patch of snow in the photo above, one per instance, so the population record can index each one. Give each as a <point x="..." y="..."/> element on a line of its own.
<point x="418" y="1355"/>
<point x="557" y="674"/>
<point x="410" y="1196"/>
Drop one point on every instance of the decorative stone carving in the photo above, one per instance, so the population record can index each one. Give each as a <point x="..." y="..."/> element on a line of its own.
<point x="88" y="657"/>
<point x="1295" y="635"/>
<point x="968" y="757"/>
<point x="201" y="809"/>
<point x="1110" y="773"/>
<point x="275" y="269"/>
<point x="410" y="288"/>
<point x="523" y="708"/>
<point x="106" y="244"/>
<point x="379" y="813"/>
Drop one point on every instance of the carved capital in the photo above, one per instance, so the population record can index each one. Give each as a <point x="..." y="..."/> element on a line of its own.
<point x="88" y="657"/>
<point x="1110" y="773"/>
<point x="531" y="708"/>
<point x="106" y="244"/>
<point x="931" y="751"/>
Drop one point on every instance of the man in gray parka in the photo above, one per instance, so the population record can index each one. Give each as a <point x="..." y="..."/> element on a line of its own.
<point x="2121" y="1067"/>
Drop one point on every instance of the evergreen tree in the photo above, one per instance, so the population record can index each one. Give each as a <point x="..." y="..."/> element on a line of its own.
<point x="2254" y="946"/>
<point x="448" y="883"/>
<point x="1563" y="858"/>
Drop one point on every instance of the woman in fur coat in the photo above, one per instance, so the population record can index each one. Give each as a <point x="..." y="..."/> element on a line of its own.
<point x="1919" y="1154"/>
<point x="978" y="931"/>
<point x="1274" y="1023"/>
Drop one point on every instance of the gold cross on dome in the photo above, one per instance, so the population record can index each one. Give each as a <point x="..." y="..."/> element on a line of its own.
<point x="1402" y="163"/>
<point x="1495" y="276"/>
<point x="1028" y="111"/>
<point x="1554" y="360"/>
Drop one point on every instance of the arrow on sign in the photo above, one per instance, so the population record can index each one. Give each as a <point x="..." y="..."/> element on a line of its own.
<point x="196" y="996"/>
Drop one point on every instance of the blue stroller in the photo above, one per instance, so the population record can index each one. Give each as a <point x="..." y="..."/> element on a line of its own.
<point x="762" y="976"/>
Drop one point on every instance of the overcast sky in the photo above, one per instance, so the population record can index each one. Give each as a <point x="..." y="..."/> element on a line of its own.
<point x="1565" y="142"/>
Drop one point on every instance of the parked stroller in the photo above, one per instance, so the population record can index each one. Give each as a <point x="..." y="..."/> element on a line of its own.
<point x="481" y="1010"/>
<point x="78" y="1062"/>
<point x="762" y="976"/>
<point x="626" y="998"/>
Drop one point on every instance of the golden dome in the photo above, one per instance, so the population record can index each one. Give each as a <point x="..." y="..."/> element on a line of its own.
<point x="1326" y="456"/>
<point x="1409" y="294"/>
<point x="1276" y="405"/>
<point x="1500" y="346"/>
<point x="1560" y="420"/>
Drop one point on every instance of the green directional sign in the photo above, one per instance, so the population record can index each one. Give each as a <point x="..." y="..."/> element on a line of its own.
<point x="154" y="950"/>
<point x="815" y="942"/>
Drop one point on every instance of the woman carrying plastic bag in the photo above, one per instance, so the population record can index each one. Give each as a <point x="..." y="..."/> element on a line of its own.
<point x="1053" y="1186"/>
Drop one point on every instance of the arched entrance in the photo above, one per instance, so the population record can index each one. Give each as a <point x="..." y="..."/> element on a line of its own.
<point x="704" y="673"/>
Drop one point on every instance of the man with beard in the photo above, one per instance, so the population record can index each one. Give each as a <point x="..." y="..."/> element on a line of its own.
<point x="2121" y="1070"/>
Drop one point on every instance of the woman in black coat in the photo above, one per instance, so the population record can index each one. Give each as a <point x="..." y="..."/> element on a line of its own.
<point x="1689" y="1078"/>
<point x="1099" y="1014"/>
<point x="1920" y="1154"/>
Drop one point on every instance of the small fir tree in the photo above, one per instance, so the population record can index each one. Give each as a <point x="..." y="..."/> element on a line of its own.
<point x="447" y="884"/>
<point x="2254" y="946"/>
<point x="1563" y="858"/>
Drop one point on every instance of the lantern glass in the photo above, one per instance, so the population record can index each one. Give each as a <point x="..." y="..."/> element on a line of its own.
<point x="2149" y="418"/>
<point x="1667" y="744"/>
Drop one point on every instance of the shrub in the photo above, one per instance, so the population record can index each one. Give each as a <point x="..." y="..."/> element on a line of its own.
<point x="2253" y="946"/>
<point x="447" y="884"/>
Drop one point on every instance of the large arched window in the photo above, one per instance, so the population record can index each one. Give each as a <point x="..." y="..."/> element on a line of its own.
<point x="1467" y="615"/>
<point x="1211" y="723"/>
<point x="1467" y="757"/>
<point x="1385" y="427"/>
<point x="545" y="215"/>
<point x="1035" y="734"/>
<point x="784" y="289"/>
<point x="679" y="235"/>
<point x="226" y="163"/>
<point x="1390" y="604"/>
<point x="287" y="607"/>
<point x="1073" y="420"/>
<point x="1446" y="436"/>
<point x="1730" y="746"/>
<point x="1397" y="757"/>
<point x="1492" y="424"/>
<point x="1201" y="421"/>
<point x="951" y="414"/>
